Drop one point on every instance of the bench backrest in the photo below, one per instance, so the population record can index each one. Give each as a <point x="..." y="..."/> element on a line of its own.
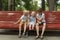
<point x="52" y="17"/>
<point x="10" y="15"/>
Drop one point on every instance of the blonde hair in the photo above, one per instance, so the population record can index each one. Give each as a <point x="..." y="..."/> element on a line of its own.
<point x="33" y="13"/>
<point x="25" y="12"/>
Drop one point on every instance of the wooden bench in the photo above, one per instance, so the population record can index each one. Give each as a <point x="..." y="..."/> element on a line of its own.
<point x="52" y="20"/>
<point x="8" y="18"/>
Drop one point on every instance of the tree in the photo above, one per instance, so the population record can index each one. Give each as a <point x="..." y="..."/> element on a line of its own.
<point x="27" y="5"/>
<point x="0" y="5"/>
<point x="52" y="5"/>
<point x="4" y="5"/>
<point x="19" y="5"/>
<point x="43" y="5"/>
<point x="31" y="5"/>
<point x="11" y="5"/>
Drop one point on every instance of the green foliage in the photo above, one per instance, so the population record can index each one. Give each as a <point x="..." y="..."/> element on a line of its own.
<point x="33" y="6"/>
<point x="28" y="5"/>
<point x="21" y="8"/>
<point x="17" y="2"/>
<point x="4" y="4"/>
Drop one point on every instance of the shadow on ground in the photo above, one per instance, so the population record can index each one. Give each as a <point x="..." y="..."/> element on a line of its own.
<point x="31" y="33"/>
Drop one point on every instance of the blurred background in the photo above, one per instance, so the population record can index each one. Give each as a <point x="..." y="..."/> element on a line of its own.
<point x="20" y="5"/>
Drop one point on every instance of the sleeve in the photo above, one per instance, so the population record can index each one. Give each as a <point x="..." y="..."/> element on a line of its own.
<point x="43" y="16"/>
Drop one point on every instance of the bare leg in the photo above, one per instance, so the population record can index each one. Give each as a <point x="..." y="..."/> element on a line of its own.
<point x="20" y="29"/>
<point x="37" y="30"/>
<point x="25" y="26"/>
<point x="29" y="27"/>
<point x="43" y="29"/>
<point x="32" y="27"/>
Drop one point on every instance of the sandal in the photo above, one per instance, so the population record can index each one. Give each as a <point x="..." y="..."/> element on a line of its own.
<point x="19" y="36"/>
<point x="41" y="37"/>
<point x="23" y="34"/>
<point x="37" y="37"/>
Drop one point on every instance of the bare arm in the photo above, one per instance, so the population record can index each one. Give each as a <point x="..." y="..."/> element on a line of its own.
<point x="39" y="19"/>
<point x="17" y="21"/>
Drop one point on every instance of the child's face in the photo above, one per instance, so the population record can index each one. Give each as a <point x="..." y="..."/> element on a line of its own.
<point x="33" y="14"/>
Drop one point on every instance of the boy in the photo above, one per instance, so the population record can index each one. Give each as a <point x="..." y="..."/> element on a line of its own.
<point x="40" y="20"/>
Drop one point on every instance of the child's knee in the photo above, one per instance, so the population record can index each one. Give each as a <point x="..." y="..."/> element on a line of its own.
<point x="37" y="24"/>
<point x="44" y="24"/>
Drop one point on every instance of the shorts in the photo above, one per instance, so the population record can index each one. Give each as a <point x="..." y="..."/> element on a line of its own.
<point x="41" y="23"/>
<point x="24" y="20"/>
<point x="32" y="24"/>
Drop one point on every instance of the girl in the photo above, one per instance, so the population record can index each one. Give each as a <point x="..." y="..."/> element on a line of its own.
<point x="32" y="21"/>
<point x="23" y="21"/>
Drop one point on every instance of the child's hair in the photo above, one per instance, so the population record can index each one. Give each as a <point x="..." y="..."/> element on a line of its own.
<point x="33" y="13"/>
<point x="39" y="10"/>
<point x="25" y="12"/>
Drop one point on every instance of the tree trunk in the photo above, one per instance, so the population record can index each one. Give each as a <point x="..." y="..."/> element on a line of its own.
<point x="43" y="5"/>
<point x="13" y="5"/>
<point x="9" y="5"/>
<point x="52" y="5"/>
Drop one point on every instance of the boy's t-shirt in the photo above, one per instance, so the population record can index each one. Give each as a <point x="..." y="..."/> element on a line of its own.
<point x="42" y="15"/>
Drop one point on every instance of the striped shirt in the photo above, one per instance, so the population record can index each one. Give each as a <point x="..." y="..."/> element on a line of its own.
<point x="42" y="16"/>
